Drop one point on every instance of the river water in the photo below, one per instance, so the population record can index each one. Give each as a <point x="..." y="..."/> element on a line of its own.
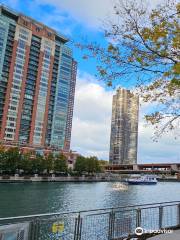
<point x="36" y="198"/>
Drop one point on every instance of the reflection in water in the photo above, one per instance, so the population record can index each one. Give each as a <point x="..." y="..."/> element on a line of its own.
<point x="120" y="187"/>
<point x="10" y="236"/>
<point x="35" y="198"/>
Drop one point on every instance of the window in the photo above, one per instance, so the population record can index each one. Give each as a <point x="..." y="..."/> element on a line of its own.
<point x="20" y="66"/>
<point x="22" y="36"/>
<point x="10" y="130"/>
<point x="11" y="119"/>
<point x="47" y="55"/>
<point x="17" y="81"/>
<point x="14" y="103"/>
<point x="38" y="29"/>
<point x="21" y="44"/>
<point x="19" y="61"/>
<point x="11" y="124"/>
<point x="66" y="56"/>
<point x="16" y="87"/>
<point x="28" y="96"/>
<point x="12" y="107"/>
<point x="25" y="23"/>
<point x="9" y="135"/>
<point x="14" y="97"/>
<point x="49" y="34"/>
<point x="17" y="76"/>
<point x="66" y="69"/>
<point x="22" y="51"/>
<point x="23" y="31"/>
<point x="17" y="71"/>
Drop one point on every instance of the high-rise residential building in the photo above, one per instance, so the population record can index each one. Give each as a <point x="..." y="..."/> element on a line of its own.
<point x="124" y="128"/>
<point x="70" y="107"/>
<point x="37" y="82"/>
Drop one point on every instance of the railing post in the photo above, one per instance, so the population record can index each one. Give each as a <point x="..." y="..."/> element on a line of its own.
<point x="31" y="232"/>
<point x="78" y="228"/>
<point x="138" y="218"/>
<point x="160" y="216"/>
<point x="34" y="229"/>
<point x="179" y="214"/>
<point x="111" y="225"/>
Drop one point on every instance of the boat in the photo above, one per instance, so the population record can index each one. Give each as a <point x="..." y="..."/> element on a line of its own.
<point x="143" y="179"/>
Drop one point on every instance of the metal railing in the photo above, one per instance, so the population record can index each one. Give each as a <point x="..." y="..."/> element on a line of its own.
<point x="100" y="224"/>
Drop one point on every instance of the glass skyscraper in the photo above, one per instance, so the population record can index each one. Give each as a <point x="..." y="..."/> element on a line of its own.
<point x="37" y="83"/>
<point x="124" y="128"/>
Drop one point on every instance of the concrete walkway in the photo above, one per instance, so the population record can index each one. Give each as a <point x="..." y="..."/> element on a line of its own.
<point x="168" y="236"/>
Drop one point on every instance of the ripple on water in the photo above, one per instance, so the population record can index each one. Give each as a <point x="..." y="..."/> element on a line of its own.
<point x="35" y="198"/>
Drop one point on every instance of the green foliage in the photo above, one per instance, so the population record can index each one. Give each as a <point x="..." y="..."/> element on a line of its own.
<point x="2" y="158"/>
<point x="80" y="165"/>
<point x="49" y="162"/>
<point x="60" y="164"/>
<point x="92" y="165"/>
<point x="88" y="165"/>
<point x="103" y="162"/>
<point x="12" y="161"/>
<point x="38" y="164"/>
<point x="26" y="163"/>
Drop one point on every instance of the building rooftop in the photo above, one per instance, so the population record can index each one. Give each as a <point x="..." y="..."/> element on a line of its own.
<point x="13" y="14"/>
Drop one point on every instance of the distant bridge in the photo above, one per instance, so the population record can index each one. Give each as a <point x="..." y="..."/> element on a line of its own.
<point x="144" y="168"/>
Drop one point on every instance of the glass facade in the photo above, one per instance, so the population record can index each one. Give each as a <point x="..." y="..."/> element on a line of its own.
<point x="47" y="47"/>
<point x="62" y="98"/>
<point x="28" y="104"/>
<point x="22" y="38"/>
<point x="54" y="85"/>
<point x="70" y="106"/>
<point x="7" y="32"/>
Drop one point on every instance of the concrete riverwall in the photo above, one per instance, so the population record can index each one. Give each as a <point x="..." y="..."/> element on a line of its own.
<point x="10" y="179"/>
<point x="53" y="178"/>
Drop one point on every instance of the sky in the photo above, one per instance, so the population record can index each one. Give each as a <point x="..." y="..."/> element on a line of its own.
<point x="82" y="20"/>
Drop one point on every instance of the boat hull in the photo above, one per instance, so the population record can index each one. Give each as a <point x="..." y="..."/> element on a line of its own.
<point x="141" y="183"/>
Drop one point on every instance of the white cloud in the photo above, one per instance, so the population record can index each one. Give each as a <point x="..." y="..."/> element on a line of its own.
<point x="91" y="13"/>
<point x="92" y="122"/>
<point x="165" y="150"/>
<point x="92" y="117"/>
<point x="58" y="21"/>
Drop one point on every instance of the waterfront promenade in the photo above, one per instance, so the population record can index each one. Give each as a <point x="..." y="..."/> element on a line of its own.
<point x="98" y="224"/>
